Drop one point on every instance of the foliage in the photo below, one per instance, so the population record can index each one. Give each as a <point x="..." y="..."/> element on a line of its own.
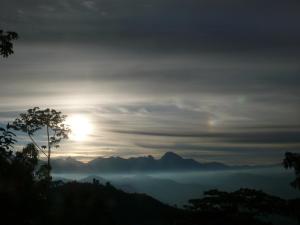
<point x="6" y="139"/>
<point x="6" y="42"/>
<point x="244" y="199"/>
<point x="36" y="119"/>
<point x="20" y="190"/>
<point x="292" y="160"/>
<point x="244" y="206"/>
<point x="16" y="165"/>
<point x="6" y="144"/>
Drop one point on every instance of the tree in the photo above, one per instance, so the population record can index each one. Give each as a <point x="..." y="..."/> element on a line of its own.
<point x="244" y="206"/>
<point x="6" y="139"/>
<point x="244" y="199"/>
<point x="16" y="165"/>
<point x="6" y="42"/>
<point x="49" y="119"/>
<point x="6" y="150"/>
<point x="292" y="160"/>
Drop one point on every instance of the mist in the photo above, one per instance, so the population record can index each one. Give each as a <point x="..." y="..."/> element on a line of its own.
<point x="176" y="188"/>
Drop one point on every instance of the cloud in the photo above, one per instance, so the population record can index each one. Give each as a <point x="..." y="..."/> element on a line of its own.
<point x="89" y="5"/>
<point x="163" y="72"/>
<point x="230" y="137"/>
<point x="166" y="25"/>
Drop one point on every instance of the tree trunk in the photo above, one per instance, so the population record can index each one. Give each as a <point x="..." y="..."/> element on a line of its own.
<point x="49" y="152"/>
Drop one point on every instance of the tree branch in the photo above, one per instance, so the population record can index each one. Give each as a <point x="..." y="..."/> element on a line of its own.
<point x="36" y="145"/>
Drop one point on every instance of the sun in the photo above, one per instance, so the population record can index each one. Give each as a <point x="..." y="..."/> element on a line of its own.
<point x="80" y="126"/>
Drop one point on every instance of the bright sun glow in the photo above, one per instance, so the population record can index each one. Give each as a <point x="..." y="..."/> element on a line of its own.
<point x="80" y="126"/>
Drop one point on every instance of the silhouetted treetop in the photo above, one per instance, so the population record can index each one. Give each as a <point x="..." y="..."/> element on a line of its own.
<point x="292" y="160"/>
<point x="6" y="42"/>
<point x="36" y="119"/>
<point x="251" y="200"/>
<point x="7" y="139"/>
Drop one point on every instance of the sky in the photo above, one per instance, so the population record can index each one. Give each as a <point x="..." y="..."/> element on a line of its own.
<point x="213" y="80"/>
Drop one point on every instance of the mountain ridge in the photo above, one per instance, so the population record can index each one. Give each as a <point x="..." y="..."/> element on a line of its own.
<point x="168" y="162"/>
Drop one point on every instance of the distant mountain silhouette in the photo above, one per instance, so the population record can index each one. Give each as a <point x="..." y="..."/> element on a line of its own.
<point x="68" y="165"/>
<point x="170" y="161"/>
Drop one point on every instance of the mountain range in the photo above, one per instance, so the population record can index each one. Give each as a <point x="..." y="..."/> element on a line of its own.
<point x="170" y="161"/>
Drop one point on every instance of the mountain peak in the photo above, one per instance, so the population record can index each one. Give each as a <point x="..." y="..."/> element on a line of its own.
<point x="69" y="158"/>
<point x="170" y="156"/>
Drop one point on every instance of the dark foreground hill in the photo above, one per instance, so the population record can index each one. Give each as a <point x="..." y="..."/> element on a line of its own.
<point x="85" y="203"/>
<point x="75" y="203"/>
<point x="92" y="203"/>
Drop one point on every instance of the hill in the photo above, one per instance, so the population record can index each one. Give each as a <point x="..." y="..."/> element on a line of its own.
<point x="93" y="203"/>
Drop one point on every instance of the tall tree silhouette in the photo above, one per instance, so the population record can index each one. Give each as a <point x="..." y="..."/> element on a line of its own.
<point x="52" y="121"/>
<point x="292" y="160"/>
<point x="6" y="42"/>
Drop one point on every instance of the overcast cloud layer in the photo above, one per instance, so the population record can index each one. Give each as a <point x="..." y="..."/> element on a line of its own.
<point x="214" y="80"/>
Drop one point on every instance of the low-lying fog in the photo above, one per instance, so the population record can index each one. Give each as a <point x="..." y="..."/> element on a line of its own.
<point x="179" y="187"/>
